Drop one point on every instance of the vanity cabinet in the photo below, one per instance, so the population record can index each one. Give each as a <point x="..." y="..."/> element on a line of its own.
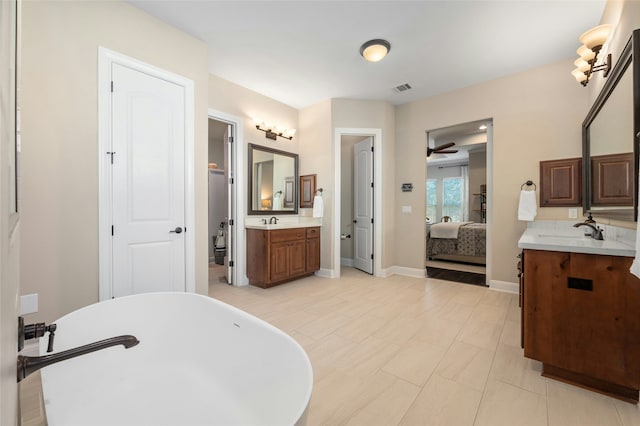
<point x="581" y="320"/>
<point x="279" y="255"/>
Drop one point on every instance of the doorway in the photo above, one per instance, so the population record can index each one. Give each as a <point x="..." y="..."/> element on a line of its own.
<point x="146" y="193"/>
<point x="342" y="227"/>
<point x="457" y="202"/>
<point x="221" y="195"/>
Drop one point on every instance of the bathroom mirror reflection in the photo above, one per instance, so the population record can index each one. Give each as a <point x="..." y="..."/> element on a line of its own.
<point x="273" y="181"/>
<point x="610" y="145"/>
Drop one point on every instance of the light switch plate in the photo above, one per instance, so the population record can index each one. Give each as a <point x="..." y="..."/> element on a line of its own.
<point x="406" y="209"/>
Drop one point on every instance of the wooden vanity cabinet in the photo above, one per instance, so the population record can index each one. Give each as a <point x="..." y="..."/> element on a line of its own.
<point x="280" y="255"/>
<point x="581" y="320"/>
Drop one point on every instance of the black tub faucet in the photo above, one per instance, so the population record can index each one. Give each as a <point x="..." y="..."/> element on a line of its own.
<point x="31" y="364"/>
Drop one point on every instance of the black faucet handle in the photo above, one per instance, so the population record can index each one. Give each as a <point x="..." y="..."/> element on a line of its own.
<point x="34" y="331"/>
<point x="51" y="328"/>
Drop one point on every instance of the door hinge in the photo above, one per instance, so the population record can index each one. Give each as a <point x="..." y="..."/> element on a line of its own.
<point x="111" y="154"/>
<point x="372" y="184"/>
<point x="112" y="231"/>
<point x="230" y="139"/>
<point x="371" y="149"/>
<point x="371" y="220"/>
<point x="230" y="222"/>
<point x="371" y="256"/>
<point x="231" y="263"/>
<point x="231" y="181"/>
<point x="111" y="86"/>
<point x="185" y="229"/>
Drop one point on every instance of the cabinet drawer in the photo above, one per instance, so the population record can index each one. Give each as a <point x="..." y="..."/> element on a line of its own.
<point x="287" y="235"/>
<point x="313" y="232"/>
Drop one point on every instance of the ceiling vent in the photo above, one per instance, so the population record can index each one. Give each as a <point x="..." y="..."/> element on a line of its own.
<point x="402" y="87"/>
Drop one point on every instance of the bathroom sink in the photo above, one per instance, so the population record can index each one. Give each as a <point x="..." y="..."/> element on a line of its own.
<point x="568" y="237"/>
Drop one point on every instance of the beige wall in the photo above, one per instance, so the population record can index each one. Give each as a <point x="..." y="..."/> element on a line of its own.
<point x="60" y="139"/>
<point x="537" y="115"/>
<point x="316" y="157"/>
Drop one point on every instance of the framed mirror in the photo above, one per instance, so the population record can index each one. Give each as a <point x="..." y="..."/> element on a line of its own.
<point x="610" y="146"/>
<point x="273" y="181"/>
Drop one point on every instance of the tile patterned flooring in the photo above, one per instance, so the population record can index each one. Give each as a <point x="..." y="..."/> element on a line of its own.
<point x="409" y="351"/>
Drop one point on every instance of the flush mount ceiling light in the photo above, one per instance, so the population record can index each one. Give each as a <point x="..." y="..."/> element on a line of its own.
<point x="375" y="50"/>
<point x="592" y="44"/>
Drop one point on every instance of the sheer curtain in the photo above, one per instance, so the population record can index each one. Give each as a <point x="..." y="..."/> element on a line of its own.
<point x="464" y="174"/>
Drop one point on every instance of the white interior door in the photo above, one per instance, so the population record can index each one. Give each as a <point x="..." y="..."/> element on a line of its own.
<point x="229" y="178"/>
<point x="363" y="205"/>
<point x="148" y="189"/>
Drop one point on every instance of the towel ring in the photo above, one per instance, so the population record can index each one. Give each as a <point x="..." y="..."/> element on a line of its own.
<point x="528" y="183"/>
<point x="319" y="190"/>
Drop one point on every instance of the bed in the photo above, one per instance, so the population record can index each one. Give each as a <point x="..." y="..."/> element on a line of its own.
<point x="457" y="241"/>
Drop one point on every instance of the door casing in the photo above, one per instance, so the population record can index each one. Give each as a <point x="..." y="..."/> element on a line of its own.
<point x="106" y="58"/>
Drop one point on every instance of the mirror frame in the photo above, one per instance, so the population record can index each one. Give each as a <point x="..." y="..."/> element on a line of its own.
<point x="250" y="209"/>
<point x="630" y="55"/>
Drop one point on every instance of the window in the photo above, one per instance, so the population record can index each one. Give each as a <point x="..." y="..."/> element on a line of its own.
<point x="452" y="198"/>
<point x="432" y="200"/>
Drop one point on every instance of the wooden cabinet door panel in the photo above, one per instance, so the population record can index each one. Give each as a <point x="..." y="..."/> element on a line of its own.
<point x="297" y="258"/>
<point x="561" y="182"/>
<point x="313" y="254"/>
<point x="612" y="180"/>
<point x="588" y="334"/>
<point x="542" y="269"/>
<point x="279" y="261"/>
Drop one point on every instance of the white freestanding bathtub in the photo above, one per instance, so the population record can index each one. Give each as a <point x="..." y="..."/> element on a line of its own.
<point x="199" y="362"/>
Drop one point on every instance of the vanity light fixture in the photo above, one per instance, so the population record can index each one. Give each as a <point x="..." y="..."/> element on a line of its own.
<point x="272" y="131"/>
<point x="586" y="65"/>
<point x="375" y="50"/>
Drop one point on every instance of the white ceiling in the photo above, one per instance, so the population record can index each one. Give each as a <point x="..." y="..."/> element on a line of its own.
<point x="302" y="52"/>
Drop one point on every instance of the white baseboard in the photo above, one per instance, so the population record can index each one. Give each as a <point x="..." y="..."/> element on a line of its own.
<point x="345" y="261"/>
<point x="402" y="270"/>
<point x="505" y="286"/>
<point x="326" y="273"/>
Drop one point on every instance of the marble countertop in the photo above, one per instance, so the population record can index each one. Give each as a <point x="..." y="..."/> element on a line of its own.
<point x="574" y="241"/>
<point x="283" y="223"/>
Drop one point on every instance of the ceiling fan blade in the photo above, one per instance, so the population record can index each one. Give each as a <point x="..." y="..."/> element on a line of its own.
<point x="444" y="146"/>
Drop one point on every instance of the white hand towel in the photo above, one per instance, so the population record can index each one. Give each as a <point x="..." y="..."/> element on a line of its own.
<point x="277" y="202"/>
<point x="527" y="208"/>
<point x="318" y="206"/>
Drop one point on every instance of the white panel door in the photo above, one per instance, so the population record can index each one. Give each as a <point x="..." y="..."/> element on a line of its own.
<point x="148" y="172"/>
<point x="363" y="205"/>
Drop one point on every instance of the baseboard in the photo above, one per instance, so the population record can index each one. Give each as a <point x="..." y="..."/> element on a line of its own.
<point x="345" y="261"/>
<point x="326" y="273"/>
<point x="404" y="271"/>
<point x="505" y="286"/>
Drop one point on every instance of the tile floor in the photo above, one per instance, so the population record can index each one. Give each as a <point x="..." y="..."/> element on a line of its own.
<point x="408" y="351"/>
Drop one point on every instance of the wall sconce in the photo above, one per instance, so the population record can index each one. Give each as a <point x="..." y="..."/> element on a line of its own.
<point x="592" y="44"/>
<point x="272" y="131"/>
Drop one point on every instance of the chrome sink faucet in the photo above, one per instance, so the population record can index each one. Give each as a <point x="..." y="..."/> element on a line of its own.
<point x="596" y="232"/>
<point x="273" y="220"/>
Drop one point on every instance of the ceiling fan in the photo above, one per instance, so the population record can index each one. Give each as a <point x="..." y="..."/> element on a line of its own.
<point x="442" y="149"/>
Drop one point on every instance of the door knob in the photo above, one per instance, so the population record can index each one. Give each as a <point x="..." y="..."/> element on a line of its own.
<point x="178" y="230"/>
<point x="355" y="220"/>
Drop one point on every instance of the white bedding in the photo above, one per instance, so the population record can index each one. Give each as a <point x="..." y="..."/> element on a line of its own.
<point x="446" y="229"/>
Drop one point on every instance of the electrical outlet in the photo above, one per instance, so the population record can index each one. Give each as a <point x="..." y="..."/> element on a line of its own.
<point x="406" y="209"/>
<point x="573" y="213"/>
<point x="29" y="304"/>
